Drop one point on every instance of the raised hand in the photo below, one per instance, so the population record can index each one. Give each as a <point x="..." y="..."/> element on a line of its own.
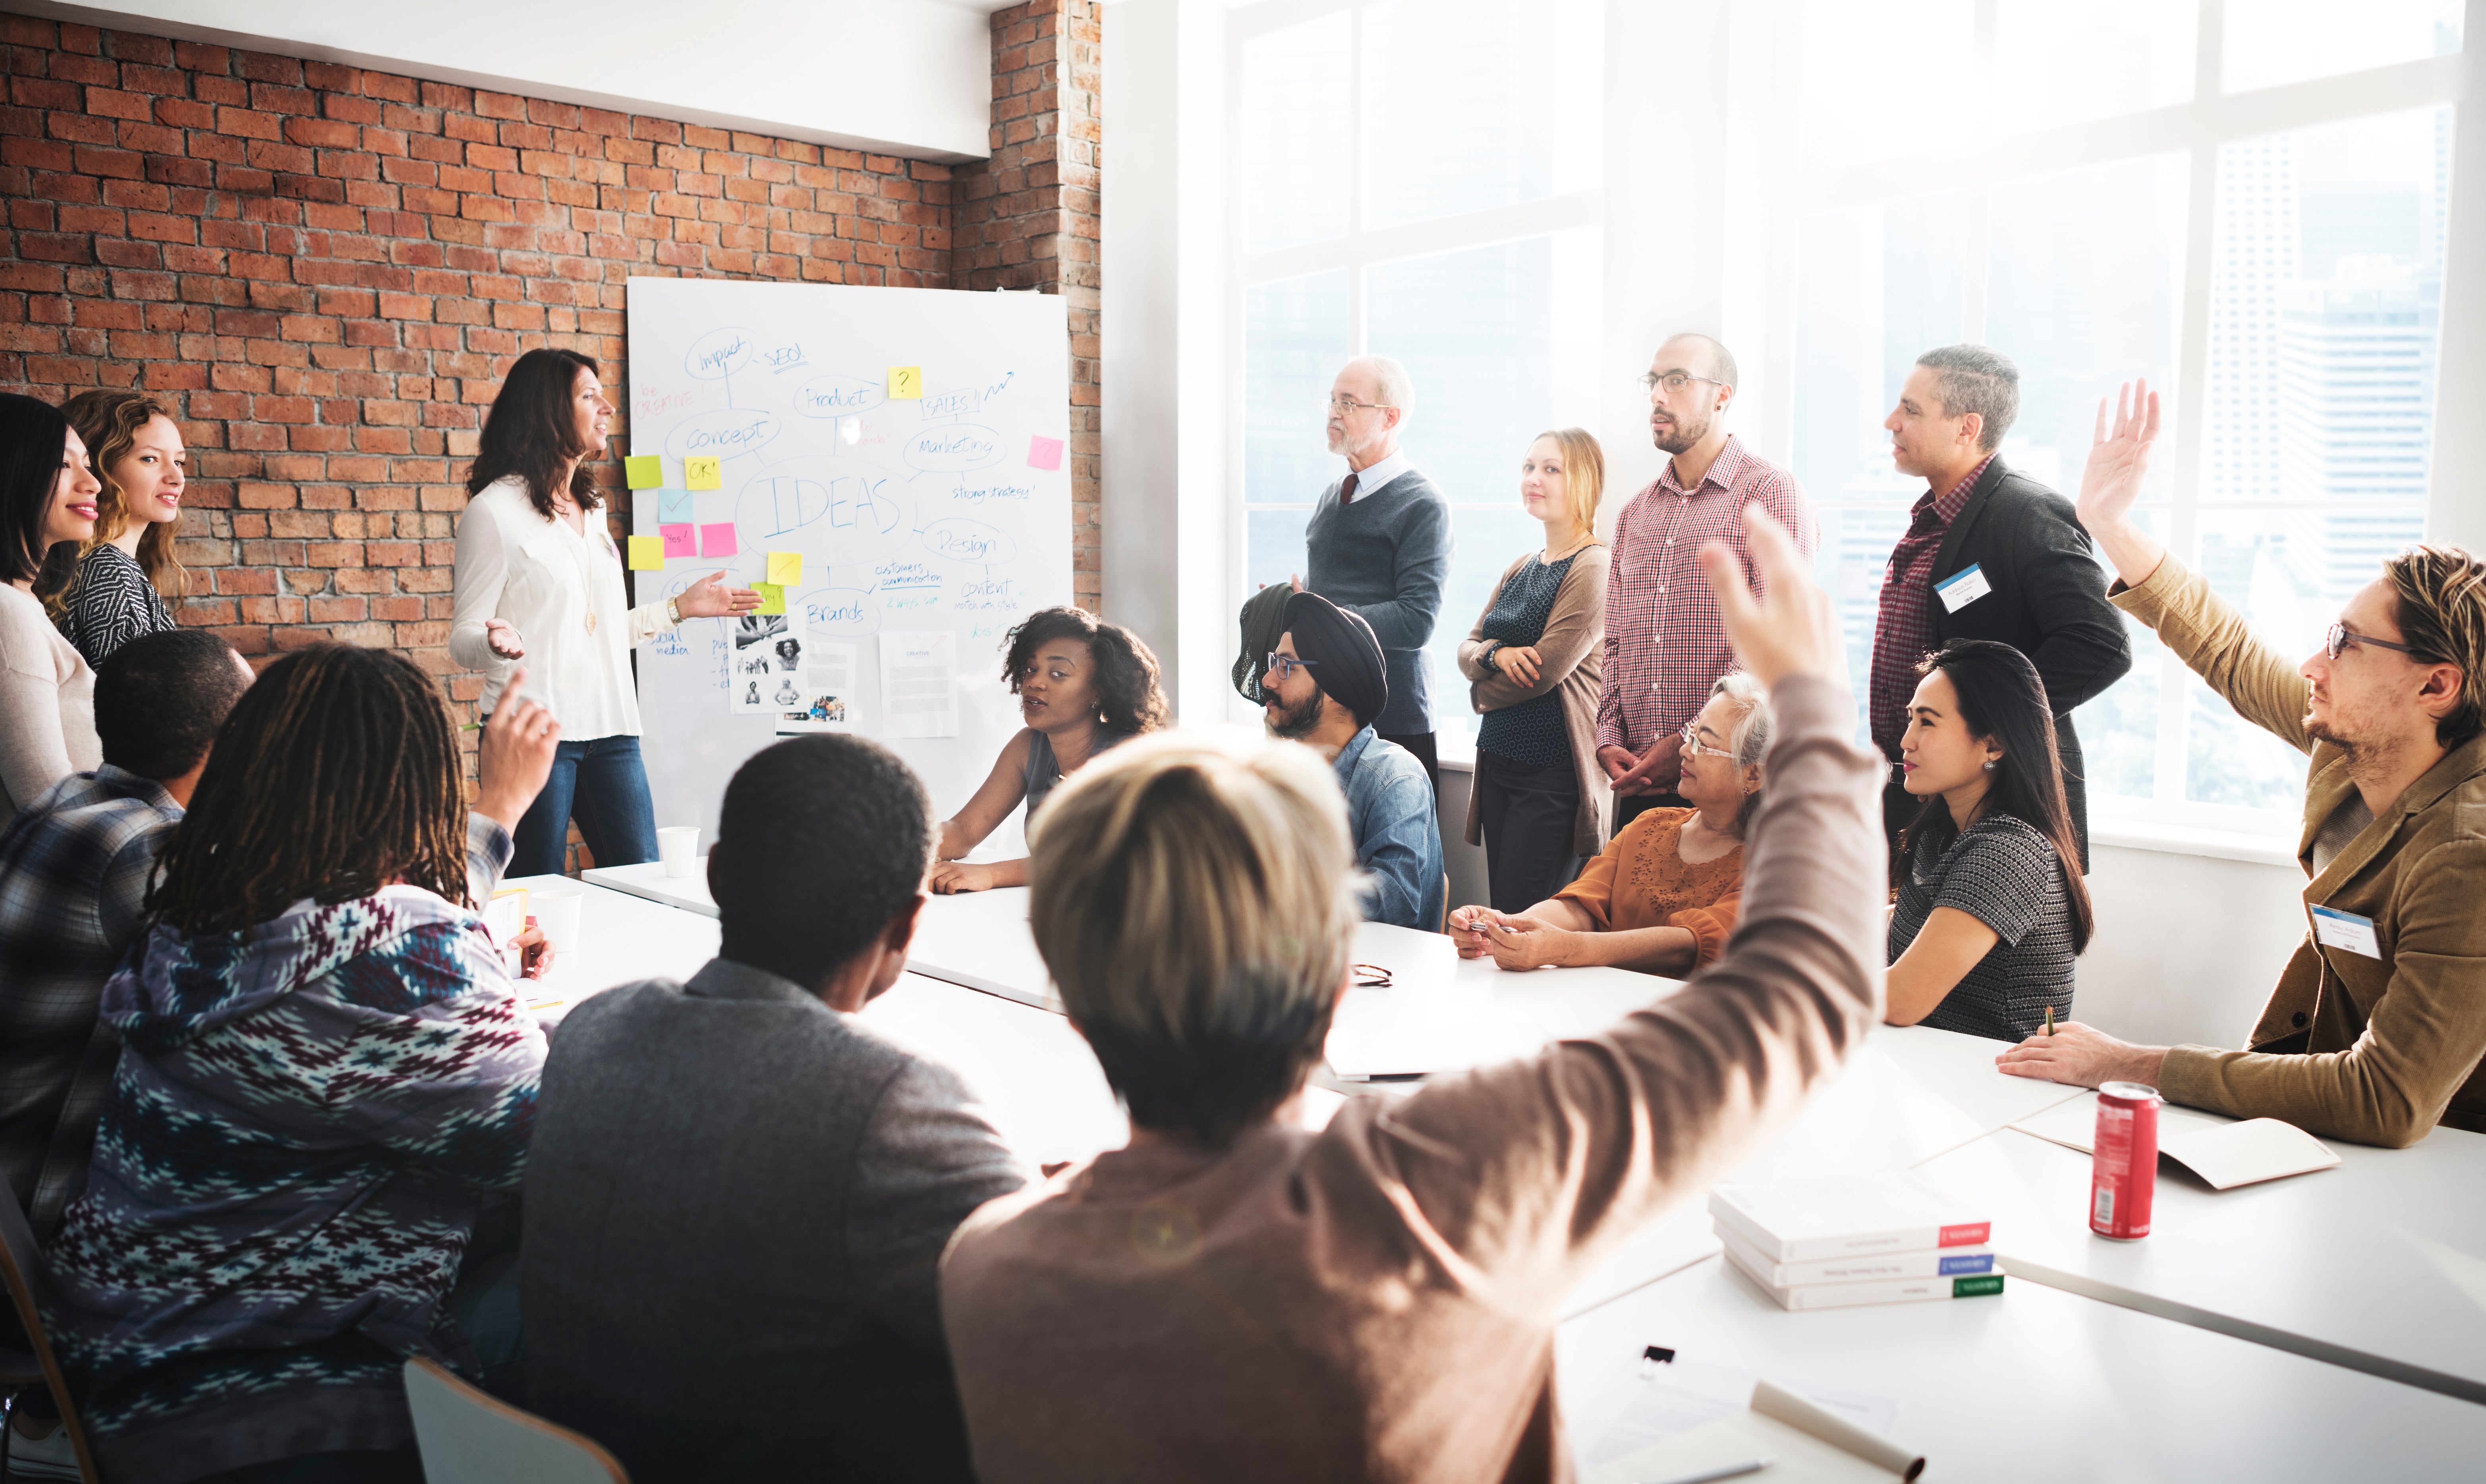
<point x="710" y="598"/>
<point x="514" y="754"/>
<point x="2111" y="483"/>
<point x="1793" y="628"/>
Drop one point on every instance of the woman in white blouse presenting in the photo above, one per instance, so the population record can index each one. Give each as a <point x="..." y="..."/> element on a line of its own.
<point x="538" y="580"/>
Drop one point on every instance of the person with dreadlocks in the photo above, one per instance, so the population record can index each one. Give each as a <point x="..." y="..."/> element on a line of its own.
<point x="326" y="1078"/>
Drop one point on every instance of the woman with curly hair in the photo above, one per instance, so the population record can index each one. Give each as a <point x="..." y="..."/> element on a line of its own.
<point x="1083" y="685"/>
<point x="114" y="586"/>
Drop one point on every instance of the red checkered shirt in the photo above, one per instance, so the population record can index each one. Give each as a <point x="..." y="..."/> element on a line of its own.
<point x="1906" y="628"/>
<point x="1665" y="644"/>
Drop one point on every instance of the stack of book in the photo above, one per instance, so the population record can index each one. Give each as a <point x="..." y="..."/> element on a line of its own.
<point x="1832" y="1244"/>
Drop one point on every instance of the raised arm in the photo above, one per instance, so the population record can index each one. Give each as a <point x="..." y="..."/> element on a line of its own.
<point x="1405" y="619"/>
<point x="1528" y="1171"/>
<point x="2111" y="483"/>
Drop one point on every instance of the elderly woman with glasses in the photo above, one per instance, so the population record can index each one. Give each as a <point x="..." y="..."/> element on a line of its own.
<point x="1662" y="898"/>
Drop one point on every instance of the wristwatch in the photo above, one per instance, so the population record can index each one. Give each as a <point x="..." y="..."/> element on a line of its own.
<point x="673" y="612"/>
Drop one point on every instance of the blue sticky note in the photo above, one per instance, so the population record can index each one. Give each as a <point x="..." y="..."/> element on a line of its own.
<point x="674" y="507"/>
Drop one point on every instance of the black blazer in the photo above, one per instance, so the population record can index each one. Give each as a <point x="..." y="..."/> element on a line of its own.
<point x="2048" y="602"/>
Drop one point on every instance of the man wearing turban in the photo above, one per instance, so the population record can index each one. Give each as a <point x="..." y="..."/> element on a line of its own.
<point x="1325" y="686"/>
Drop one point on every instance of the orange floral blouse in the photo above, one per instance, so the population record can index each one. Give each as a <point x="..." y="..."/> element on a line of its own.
<point x="1640" y="880"/>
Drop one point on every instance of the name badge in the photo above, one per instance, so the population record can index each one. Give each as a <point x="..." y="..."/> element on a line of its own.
<point x="1963" y="588"/>
<point x="2337" y="929"/>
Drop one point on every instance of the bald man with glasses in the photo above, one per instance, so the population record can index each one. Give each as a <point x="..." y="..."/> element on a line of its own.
<point x="1665" y="644"/>
<point x="1378" y="544"/>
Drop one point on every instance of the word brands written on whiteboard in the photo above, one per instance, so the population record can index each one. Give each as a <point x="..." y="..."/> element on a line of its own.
<point x="889" y="467"/>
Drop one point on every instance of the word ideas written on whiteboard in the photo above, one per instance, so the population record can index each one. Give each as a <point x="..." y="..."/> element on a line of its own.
<point x="886" y="467"/>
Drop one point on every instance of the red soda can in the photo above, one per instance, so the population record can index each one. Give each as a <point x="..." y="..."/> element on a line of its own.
<point x="2123" y="1165"/>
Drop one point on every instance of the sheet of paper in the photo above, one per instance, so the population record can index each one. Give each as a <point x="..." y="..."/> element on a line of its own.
<point x="785" y="568"/>
<point x="676" y="506"/>
<point x="767" y="654"/>
<point x="907" y="383"/>
<point x="919" y="684"/>
<point x="680" y="542"/>
<point x="717" y="539"/>
<point x="1672" y="1418"/>
<point x="647" y="554"/>
<point x="827" y="681"/>
<point x="703" y="473"/>
<point x="1044" y="453"/>
<point x="643" y="471"/>
<point x="772" y="596"/>
<point x="2073" y="1124"/>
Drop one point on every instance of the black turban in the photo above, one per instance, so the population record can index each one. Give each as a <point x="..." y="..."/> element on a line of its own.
<point x="1346" y="657"/>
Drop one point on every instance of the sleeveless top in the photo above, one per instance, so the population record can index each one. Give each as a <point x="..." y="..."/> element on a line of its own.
<point x="1044" y="770"/>
<point x="1529" y="733"/>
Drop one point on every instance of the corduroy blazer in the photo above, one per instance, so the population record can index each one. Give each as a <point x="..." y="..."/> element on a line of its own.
<point x="2373" y="1050"/>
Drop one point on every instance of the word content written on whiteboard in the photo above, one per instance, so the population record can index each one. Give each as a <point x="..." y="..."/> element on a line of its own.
<point x="886" y="466"/>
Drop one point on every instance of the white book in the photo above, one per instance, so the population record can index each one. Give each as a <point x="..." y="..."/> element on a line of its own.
<point x="1813" y="1220"/>
<point x="2221" y="1150"/>
<point x="1873" y="1267"/>
<point x="1897" y="1290"/>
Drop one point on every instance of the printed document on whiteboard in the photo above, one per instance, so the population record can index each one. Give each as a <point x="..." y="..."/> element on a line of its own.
<point x="919" y="684"/>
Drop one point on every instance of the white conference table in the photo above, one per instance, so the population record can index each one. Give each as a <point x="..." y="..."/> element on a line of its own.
<point x="2039" y="1385"/>
<point x="2041" y="1382"/>
<point x="2379" y="1264"/>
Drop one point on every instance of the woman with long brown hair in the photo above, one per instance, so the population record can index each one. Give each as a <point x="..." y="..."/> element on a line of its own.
<point x="327" y="1079"/>
<point x="46" y="688"/>
<point x="121" y="581"/>
<point x="538" y="580"/>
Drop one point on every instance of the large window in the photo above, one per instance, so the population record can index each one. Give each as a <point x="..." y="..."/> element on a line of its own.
<point x="1415" y="179"/>
<point x="2242" y="201"/>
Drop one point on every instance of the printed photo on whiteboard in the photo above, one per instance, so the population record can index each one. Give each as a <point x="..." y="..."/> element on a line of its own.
<point x="756" y="628"/>
<point x="824" y="707"/>
<point x="750" y="694"/>
<point x="919" y="684"/>
<point x="789" y="656"/>
<point x="755" y="664"/>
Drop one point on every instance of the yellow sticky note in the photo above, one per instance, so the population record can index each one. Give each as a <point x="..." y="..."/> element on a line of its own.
<point x="786" y="568"/>
<point x="647" y="553"/>
<point x="905" y="383"/>
<point x="772" y="596"/>
<point x="643" y="471"/>
<point x="703" y="473"/>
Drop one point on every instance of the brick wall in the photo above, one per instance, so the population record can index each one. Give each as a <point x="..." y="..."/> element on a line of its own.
<point x="326" y="270"/>
<point x="1026" y="218"/>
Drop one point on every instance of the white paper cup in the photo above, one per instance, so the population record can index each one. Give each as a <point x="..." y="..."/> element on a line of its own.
<point x="556" y="912"/>
<point x="677" y="847"/>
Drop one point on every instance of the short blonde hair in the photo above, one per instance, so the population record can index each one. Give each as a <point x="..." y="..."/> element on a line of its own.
<point x="1583" y="472"/>
<point x="1194" y="895"/>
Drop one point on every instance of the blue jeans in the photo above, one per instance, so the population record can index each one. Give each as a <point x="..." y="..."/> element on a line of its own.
<point x="602" y="784"/>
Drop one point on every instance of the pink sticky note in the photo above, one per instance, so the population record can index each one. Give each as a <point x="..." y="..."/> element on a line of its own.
<point x="680" y="542"/>
<point x="1044" y="453"/>
<point x="717" y="540"/>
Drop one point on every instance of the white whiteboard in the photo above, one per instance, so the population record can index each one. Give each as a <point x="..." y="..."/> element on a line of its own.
<point x="923" y="517"/>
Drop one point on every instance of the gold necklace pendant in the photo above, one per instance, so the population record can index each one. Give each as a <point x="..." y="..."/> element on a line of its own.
<point x="590" y="620"/>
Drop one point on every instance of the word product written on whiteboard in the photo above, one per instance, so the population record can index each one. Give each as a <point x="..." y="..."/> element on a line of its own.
<point x="886" y="467"/>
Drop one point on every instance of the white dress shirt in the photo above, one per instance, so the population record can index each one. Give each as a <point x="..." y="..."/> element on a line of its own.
<point x="1376" y="476"/>
<point x="562" y="591"/>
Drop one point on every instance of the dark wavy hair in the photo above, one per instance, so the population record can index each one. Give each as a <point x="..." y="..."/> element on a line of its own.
<point x="34" y="435"/>
<point x="336" y="773"/>
<point x="531" y="431"/>
<point x="1128" y="698"/>
<point x="2003" y="700"/>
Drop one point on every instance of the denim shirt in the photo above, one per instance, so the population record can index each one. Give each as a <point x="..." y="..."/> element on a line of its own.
<point x="1398" y="837"/>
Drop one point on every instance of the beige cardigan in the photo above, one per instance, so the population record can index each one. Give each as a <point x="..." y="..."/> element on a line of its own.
<point x="1377" y="1301"/>
<point x="2373" y="1050"/>
<point x="46" y="705"/>
<point x="1572" y="650"/>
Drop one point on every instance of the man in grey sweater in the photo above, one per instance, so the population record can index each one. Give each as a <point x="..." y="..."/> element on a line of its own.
<point x="738" y="1192"/>
<point x="1378" y="544"/>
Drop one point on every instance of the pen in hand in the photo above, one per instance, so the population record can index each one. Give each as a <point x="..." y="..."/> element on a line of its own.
<point x="2050" y="1020"/>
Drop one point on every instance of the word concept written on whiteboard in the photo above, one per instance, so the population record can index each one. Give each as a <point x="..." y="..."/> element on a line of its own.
<point x="887" y="468"/>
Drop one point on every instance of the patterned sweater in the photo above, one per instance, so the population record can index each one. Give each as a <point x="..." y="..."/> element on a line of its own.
<point x="298" y="1137"/>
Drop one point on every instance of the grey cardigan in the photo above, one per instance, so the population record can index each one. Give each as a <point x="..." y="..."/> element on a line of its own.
<point x="1386" y="556"/>
<point x="736" y="1199"/>
<point x="1573" y="651"/>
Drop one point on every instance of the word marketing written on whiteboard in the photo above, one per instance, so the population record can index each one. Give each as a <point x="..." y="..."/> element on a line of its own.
<point x="887" y="467"/>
